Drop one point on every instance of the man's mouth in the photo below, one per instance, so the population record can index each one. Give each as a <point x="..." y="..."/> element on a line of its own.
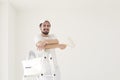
<point x="46" y="29"/>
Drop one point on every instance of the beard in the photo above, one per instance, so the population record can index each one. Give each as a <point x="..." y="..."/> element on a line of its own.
<point x="46" y="33"/>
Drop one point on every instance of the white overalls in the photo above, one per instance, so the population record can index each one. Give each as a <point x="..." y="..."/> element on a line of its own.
<point x="50" y="62"/>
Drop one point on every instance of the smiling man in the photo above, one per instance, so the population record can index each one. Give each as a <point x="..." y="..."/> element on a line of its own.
<point x="45" y="45"/>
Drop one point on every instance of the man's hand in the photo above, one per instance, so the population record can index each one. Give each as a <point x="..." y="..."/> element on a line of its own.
<point x="62" y="46"/>
<point x="41" y="45"/>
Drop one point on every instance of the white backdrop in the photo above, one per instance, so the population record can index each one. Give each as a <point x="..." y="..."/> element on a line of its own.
<point x="93" y="26"/>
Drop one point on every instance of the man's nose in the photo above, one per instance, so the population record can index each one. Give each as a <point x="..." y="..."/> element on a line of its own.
<point x="45" y="27"/>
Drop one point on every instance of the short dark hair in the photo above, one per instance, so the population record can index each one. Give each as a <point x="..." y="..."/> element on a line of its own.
<point x="47" y="21"/>
<point x="43" y="22"/>
<point x="40" y="24"/>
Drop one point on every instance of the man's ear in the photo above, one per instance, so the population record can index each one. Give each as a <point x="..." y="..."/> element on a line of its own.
<point x="40" y="28"/>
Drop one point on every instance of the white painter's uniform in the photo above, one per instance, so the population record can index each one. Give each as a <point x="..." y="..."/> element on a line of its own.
<point x="49" y="60"/>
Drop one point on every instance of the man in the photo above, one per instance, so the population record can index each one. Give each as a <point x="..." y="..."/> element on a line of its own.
<point x="46" y="44"/>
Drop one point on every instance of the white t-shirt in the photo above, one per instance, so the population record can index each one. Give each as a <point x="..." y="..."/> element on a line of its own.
<point x="39" y="37"/>
<point x="49" y="53"/>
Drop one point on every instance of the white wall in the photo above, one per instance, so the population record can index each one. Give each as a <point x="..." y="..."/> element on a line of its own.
<point x="95" y="30"/>
<point x="7" y="44"/>
<point x="0" y="42"/>
<point x="11" y="42"/>
<point x="4" y="41"/>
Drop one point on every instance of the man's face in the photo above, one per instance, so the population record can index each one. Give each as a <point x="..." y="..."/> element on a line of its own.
<point x="45" y="28"/>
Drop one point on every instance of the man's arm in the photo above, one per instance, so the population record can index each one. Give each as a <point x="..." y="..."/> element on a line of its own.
<point x="50" y="41"/>
<point x="51" y="46"/>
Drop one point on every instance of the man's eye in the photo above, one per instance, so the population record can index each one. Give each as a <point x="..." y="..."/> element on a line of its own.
<point x="48" y="25"/>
